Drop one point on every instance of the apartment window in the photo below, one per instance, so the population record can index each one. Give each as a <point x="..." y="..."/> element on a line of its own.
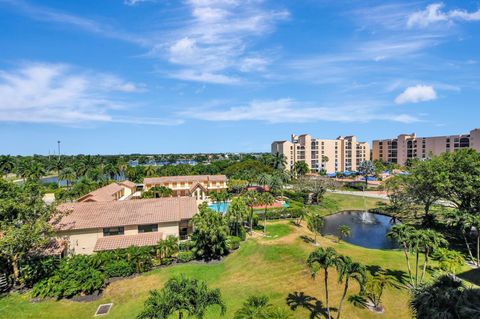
<point x="113" y="231"/>
<point x="151" y="228"/>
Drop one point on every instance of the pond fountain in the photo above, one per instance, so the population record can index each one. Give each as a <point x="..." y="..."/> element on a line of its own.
<point x="368" y="229"/>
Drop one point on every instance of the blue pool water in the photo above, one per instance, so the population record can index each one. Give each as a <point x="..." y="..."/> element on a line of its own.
<point x="222" y="207"/>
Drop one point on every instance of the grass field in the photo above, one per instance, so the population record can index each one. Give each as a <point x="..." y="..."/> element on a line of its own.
<point x="272" y="266"/>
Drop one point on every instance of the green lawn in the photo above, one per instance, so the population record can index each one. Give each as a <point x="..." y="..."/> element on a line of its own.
<point x="275" y="267"/>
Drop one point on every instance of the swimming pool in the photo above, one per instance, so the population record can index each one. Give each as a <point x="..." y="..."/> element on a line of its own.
<point x="222" y="206"/>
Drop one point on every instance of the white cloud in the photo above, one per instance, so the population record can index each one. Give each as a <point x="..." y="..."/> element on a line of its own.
<point x="135" y="2"/>
<point x="216" y="40"/>
<point x="415" y="94"/>
<point x="292" y="111"/>
<point x="433" y="14"/>
<point x="58" y="93"/>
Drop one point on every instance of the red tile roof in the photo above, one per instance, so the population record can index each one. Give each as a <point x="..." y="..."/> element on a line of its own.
<point x="185" y="179"/>
<point x="103" y="194"/>
<point x="125" y="241"/>
<point x="88" y="215"/>
<point x="129" y="184"/>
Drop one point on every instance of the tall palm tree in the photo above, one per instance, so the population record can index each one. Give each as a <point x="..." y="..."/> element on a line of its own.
<point x="251" y="198"/>
<point x="266" y="199"/>
<point x="236" y="213"/>
<point x="432" y="240"/>
<point x="348" y="269"/>
<point x="366" y="169"/>
<point x="460" y="220"/>
<point x="300" y="168"/>
<point x="323" y="259"/>
<point x="375" y="285"/>
<point x="402" y="234"/>
<point x="315" y="223"/>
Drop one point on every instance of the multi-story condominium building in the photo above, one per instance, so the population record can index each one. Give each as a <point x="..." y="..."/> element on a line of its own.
<point x="341" y="154"/>
<point x="90" y="227"/>
<point x="408" y="146"/>
<point x="198" y="186"/>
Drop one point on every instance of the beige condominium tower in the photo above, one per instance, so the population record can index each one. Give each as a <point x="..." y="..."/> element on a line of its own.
<point x="338" y="155"/>
<point x="408" y="146"/>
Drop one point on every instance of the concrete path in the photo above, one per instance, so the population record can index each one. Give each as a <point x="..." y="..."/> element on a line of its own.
<point x="360" y="193"/>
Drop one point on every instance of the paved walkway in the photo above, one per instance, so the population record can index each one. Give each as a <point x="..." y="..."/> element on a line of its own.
<point x="360" y="193"/>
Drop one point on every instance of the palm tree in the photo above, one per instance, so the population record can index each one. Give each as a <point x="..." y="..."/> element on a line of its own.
<point x="236" y="213"/>
<point x="439" y="299"/>
<point x="460" y="220"/>
<point x="190" y="297"/>
<point x="432" y="240"/>
<point x="264" y="179"/>
<point x="323" y="259"/>
<point x="67" y="174"/>
<point x="111" y="171"/>
<point x="251" y="198"/>
<point x="34" y="171"/>
<point x="325" y="160"/>
<point x="345" y="231"/>
<point x="366" y="169"/>
<point x="315" y="223"/>
<point x="150" y="171"/>
<point x="402" y="233"/>
<point x="301" y="168"/>
<point x="253" y="307"/>
<point x="449" y="260"/>
<point x="376" y="284"/>
<point x="279" y="161"/>
<point x="7" y="164"/>
<point x="266" y="199"/>
<point x="473" y="222"/>
<point x="167" y="248"/>
<point x="347" y="269"/>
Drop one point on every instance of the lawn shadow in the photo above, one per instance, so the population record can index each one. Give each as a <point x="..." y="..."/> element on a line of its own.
<point x="313" y="305"/>
<point x="399" y="275"/>
<point x="307" y="239"/>
<point x="472" y="276"/>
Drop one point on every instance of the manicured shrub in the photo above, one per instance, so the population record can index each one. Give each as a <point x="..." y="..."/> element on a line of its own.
<point x="185" y="256"/>
<point x="75" y="275"/>
<point x="119" y="268"/>
<point x="233" y="242"/>
<point x="186" y="245"/>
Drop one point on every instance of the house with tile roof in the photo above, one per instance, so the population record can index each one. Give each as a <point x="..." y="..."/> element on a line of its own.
<point x="106" y="225"/>
<point x="111" y="192"/>
<point x="197" y="186"/>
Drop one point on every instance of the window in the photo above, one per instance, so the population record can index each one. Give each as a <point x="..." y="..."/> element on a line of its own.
<point x="113" y="231"/>
<point x="151" y="228"/>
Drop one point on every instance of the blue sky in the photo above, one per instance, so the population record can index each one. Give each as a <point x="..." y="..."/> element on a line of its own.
<point x="146" y="76"/>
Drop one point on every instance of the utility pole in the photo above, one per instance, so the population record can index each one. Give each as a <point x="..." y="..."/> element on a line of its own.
<point x="58" y="142"/>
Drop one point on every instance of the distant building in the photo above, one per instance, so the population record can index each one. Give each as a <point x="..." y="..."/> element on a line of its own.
<point x="90" y="227"/>
<point x="408" y="146"/>
<point x="198" y="186"/>
<point x="110" y="192"/>
<point x="338" y="155"/>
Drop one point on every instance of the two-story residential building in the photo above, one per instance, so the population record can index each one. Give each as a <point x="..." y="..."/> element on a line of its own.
<point x="110" y="192"/>
<point x="97" y="226"/>
<point x="197" y="186"/>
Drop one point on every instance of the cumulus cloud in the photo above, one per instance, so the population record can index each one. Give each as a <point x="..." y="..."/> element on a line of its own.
<point x="58" y="93"/>
<point x="433" y="14"/>
<point x="292" y="111"/>
<point x="415" y="94"/>
<point x="215" y="41"/>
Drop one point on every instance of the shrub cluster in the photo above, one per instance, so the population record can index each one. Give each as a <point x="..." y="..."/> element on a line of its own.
<point x="233" y="242"/>
<point x="185" y="256"/>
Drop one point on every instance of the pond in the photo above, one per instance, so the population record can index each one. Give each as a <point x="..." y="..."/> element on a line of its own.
<point x="368" y="229"/>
